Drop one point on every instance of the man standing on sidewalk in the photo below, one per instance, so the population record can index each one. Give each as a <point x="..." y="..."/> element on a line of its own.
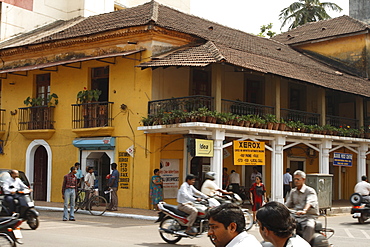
<point x="287" y="180"/>
<point x="69" y="191"/>
<point x="113" y="187"/>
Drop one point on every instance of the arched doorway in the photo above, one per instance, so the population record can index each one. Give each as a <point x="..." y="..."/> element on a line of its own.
<point x="40" y="174"/>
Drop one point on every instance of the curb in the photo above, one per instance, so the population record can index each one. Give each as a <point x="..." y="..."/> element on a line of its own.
<point x="111" y="214"/>
<point x="339" y="210"/>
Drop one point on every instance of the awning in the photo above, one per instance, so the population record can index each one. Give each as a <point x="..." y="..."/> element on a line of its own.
<point x="52" y="64"/>
<point x="96" y="143"/>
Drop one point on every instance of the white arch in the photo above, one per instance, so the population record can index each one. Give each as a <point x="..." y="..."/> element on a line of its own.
<point x="30" y="155"/>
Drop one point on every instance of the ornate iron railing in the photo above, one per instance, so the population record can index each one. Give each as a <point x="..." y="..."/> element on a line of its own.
<point x="302" y="116"/>
<point x="245" y="108"/>
<point x="90" y="115"/>
<point x="36" y="117"/>
<point x="342" y="122"/>
<point x="188" y="103"/>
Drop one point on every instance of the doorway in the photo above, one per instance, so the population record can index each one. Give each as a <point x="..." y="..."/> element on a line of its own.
<point x="40" y="174"/>
<point x="100" y="161"/>
<point x="198" y="167"/>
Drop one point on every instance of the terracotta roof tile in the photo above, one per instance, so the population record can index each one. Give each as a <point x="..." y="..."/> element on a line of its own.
<point x="322" y="29"/>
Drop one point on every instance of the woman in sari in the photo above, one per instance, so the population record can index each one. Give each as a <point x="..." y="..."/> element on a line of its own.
<point x="156" y="189"/>
<point x="257" y="195"/>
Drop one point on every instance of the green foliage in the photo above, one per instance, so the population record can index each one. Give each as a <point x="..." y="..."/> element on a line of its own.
<point x="52" y="99"/>
<point x="266" y="30"/>
<point x="86" y="96"/>
<point x="304" y="11"/>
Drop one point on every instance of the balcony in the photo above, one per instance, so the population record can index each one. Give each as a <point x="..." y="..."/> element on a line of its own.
<point x="36" y="122"/>
<point x="189" y="103"/>
<point x="92" y="119"/>
<point x="342" y="121"/>
<point x="308" y="118"/>
<point x="245" y="108"/>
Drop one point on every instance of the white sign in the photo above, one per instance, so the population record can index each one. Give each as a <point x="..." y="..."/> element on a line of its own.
<point x="130" y="150"/>
<point x="170" y="174"/>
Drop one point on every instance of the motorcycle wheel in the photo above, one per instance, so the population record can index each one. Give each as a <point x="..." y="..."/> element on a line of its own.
<point x="248" y="219"/>
<point x="32" y="220"/>
<point x="6" y="241"/>
<point x="169" y="224"/>
<point x="362" y="219"/>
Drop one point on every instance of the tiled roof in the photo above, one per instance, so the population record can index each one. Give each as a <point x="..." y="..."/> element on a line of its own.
<point x="343" y="25"/>
<point x="219" y="43"/>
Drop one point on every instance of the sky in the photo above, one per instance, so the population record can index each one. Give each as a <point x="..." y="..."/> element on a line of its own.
<point x="250" y="15"/>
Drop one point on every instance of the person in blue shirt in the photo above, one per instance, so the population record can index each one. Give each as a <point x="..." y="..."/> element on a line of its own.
<point x="113" y="187"/>
<point x="79" y="174"/>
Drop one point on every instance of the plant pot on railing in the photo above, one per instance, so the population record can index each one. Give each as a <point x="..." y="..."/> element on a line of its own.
<point x="282" y="126"/>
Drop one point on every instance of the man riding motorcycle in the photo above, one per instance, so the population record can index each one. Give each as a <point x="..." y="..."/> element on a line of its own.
<point x="186" y="197"/>
<point x="210" y="188"/>
<point x="363" y="188"/>
<point x="10" y="187"/>
<point x="303" y="199"/>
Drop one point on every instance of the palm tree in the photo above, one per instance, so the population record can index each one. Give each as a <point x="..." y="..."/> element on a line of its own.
<point x="306" y="11"/>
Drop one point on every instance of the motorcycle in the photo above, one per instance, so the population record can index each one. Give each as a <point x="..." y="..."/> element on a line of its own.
<point x="360" y="209"/>
<point x="24" y="206"/>
<point x="10" y="233"/>
<point x="320" y="237"/>
<point x="172" y="226"/>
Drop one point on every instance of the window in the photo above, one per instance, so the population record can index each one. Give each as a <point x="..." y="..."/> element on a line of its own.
<point x="201" y="82"/>
<point x="43" y="87"/>
<point x="100" y="80"/>
<point x="254" y="91"/>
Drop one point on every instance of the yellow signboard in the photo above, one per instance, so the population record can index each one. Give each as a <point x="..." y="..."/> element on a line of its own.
<point x="203" y="148"/>
<point x="124" y="170"/>
<point x="249" y="153"/>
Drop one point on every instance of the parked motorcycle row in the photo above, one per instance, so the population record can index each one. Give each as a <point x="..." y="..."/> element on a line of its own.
<point x="172" y="222"/>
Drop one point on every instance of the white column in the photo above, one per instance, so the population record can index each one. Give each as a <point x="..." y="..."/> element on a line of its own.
<point x="325" y="147"/>
<point x="277" y="162"/>
<point x="218" y="137"/>
<point x="361" y="161"/>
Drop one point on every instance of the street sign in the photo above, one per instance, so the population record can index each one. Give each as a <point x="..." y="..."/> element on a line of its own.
<point x="249" y="153"/>
<point x="342" y="159"/>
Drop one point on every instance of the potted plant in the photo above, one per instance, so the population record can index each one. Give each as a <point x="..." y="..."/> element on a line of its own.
<point x="282" y="124"/>
<point x="51" y="100"/>
<point x="238" y="120"/>
<point x="87" y="96"/>
<point x="272" y="122"/>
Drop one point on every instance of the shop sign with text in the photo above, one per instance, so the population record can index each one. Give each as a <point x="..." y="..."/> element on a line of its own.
<point x="249" y="153"/>
<point x="124" y="170"/>
<point x="203" y="148"/>
<point x="342" y="159"/>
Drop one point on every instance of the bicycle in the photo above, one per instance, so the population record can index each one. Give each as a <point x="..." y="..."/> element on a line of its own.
<point x="96" y="205"/>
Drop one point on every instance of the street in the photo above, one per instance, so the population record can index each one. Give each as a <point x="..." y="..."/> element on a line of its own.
<point x="91" y="230"/>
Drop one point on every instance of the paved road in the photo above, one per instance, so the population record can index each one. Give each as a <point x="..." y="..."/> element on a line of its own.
<point x="111" y="231"/>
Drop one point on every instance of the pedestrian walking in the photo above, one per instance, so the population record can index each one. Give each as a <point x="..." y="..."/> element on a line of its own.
<point x="113" y="187"/>
<point x="69" y="191"/>
<point x="257" y="195"/>
<point x="287" y="182"/>
<point x="156" y="189"/>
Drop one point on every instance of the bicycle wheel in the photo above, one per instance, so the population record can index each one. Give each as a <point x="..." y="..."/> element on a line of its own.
<point x="97" y="205"/>
<point x="79" y="201"/>
<point x="248" y="219"/>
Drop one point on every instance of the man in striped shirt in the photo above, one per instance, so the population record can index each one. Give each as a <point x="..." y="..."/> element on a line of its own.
<point x="69" y="192"/>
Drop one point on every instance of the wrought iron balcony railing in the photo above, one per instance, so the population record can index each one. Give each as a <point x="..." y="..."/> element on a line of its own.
<point x="36" y="117"/>
<point x="245" y="108"/>
<point x="91" y="115"/>
<point x="342" y="122"/>
<point x="302" y="116"/>
<point x="189" y="103"/>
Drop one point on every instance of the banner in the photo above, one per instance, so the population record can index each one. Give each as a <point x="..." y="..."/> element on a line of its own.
<point x="249" y="153"/>
<point x="170" y="174"/>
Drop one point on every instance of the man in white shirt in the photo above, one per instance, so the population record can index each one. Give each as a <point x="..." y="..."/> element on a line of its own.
<point x="89" y="182"/>
<point x="186" y="197"/>
<point x="276" y="225"/>
<point x="234" y="181"/>
<point x="10" y="187"/>
<point x="226" y="227"/>
<point x="363" y="188"/>
<point x="210" y="188"/>
<point x="287" y="181"/>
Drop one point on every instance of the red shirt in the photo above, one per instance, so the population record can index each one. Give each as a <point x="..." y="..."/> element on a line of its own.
<point x="69" y="182"/>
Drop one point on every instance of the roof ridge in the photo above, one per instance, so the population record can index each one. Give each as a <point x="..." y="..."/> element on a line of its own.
<point x="155" y="7"/>
<point x="215" y="52"/>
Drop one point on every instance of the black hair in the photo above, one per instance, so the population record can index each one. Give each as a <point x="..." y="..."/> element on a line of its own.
<point x="113" y="165"/>
<point x="364" y="178"/>
<point x="189" y="177"/>
<point x="232" y="171"/>
<point x="259" y="178"/>
<point x="77" y="164"/>
<point x="225" y="168"/>
<point x="226" y="214"/>
<point x="72" y="168"/>
<point x="155" y="171"/>
<point x="288" y="169"/>
<point x="276" y="217"/>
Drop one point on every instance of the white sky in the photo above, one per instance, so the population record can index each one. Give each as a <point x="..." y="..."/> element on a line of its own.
<point x="250" y="15"/>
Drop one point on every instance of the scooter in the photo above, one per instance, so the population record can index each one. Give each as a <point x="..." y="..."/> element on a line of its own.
<point x="360" y="209"/>
<point x="10" y="233"/>
<point x="25" y="207"/>
<point x="172" y="226"/>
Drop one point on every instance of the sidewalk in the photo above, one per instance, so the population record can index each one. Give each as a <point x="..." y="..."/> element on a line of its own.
<point x="338" y="206"/>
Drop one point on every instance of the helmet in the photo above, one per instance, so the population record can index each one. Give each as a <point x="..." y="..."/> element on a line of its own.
<point x="210" y="175"/>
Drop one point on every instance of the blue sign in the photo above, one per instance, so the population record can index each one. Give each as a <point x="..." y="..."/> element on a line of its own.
<point x="342" y="159"/>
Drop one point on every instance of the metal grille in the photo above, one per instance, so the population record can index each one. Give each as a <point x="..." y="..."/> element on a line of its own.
<point x="91" y="115"/>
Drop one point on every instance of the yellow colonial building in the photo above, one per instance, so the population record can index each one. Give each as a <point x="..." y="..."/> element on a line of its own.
<point x="108" y="72"/>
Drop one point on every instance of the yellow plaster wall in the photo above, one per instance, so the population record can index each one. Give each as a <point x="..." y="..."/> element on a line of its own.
<point x="170" y="82"/>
